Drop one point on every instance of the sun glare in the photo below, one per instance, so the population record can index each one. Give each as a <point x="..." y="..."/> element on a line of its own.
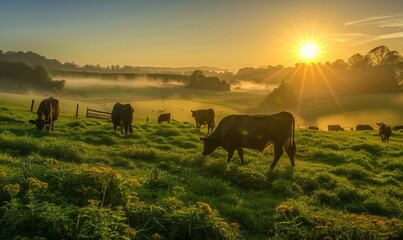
<point x="309" y="51"/>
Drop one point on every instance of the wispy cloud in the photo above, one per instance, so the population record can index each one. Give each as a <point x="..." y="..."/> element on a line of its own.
<point x="376" y="28"/>
<point x="379" y="21"/>
<point x="389" y="36"/>
<point x="368" y="20"/>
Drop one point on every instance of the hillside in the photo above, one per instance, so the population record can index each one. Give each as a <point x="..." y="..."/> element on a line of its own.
<point x="32" y="58"/>
<point x="84" y="181"/>
<point x="20" y="77"/>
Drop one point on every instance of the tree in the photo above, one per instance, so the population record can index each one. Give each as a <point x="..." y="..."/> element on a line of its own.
<point x="20" y="77"/>
<point x="378" y="55"/>
<point x="359" y="61"/>
<point x="199" y="81"/>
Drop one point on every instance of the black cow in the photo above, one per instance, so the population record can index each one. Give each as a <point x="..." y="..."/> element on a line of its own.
<point x="361" y="127"/>
<point x="384" y="131"/>
<point x="204" y="117"/>
<point x="334" y="128"/>
<point x="122" y="115"/>
<point x="399" y="127"/>
<point x="48" y="112"/>
<point x="313" y="128"/>
<point x="236" y="132"/>
<point x="164" y="117"/>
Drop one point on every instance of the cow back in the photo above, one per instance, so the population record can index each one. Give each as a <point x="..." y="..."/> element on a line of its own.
<point x="252" y="131"/>
<point x="49" y="109"/>
<point x="205" y="116"/>
<point x="122" y="112"/>
<point x="363" y="127"/>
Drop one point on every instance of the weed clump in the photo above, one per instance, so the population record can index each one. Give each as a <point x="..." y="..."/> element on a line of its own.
<point x="172" y="219"/>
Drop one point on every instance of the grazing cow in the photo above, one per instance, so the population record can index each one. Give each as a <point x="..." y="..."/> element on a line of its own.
<point x="48" y="112"/>
<point x="334" y="128"/>
<point x="313" y="127"/>
<point x="164" y="117"/>
<point x="384" y="131"/>
<point x="236" y="132"/>
<point x="399" y="127"/>
<point x="361" y="127"/>
<point x="204" y="117"/>
<point x="122" y="115"/>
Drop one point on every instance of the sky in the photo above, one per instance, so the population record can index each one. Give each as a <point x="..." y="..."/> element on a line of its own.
<point x="183" y="33"/>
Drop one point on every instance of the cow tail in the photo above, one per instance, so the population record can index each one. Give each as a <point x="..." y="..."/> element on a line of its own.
<point x="293" y="134"/>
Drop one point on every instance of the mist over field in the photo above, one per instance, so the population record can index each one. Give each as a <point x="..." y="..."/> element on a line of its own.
<point x="249" y="86"/>
<point x="151" y="97"/>
<point x="120" y="81"/>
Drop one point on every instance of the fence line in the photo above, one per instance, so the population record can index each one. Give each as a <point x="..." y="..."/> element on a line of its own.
<point x="91" y="113"/>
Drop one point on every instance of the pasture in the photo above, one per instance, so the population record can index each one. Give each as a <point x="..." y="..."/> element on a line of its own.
<point x="85" y="181"/>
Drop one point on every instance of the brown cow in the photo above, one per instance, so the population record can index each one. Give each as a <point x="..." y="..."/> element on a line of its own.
<point x="361" y="127"/>
<point x="164" y="117"/>
<point x="398" y="127"/>
<point x="48" y="112"/>
<point x="204" y="117"/>
<point x="122" y="115"/>
<point x="236" y="132"/>
<point x="384" y="131"/>
<point x="334" y="128"/>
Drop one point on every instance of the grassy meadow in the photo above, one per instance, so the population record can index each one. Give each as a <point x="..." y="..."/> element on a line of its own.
<point x="83" y="181"/>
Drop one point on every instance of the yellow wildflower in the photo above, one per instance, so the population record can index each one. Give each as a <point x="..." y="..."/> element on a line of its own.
<point x="12" y="189"/>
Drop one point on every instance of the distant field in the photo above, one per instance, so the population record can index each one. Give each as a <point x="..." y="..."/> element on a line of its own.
<point x="150" y="96"/>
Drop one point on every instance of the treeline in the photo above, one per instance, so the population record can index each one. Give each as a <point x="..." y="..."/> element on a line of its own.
<point x="261" y="75"/>
<point x="379" y="71"/>
<point x="199" y="81"/>
<point x="32" y="59"/>
<point x="21" y="77"/>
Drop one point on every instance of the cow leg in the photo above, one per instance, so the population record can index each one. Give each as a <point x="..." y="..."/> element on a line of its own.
<point x="130" y="129"/>
<point x="126" y="128"/>
<point x="121" y="128"/>
<point x="52" y="123"/>
<point x="114" y="127"/>
<point x="278" y="151"/>
<point x="230" y="154"/>
<point x="290" y="151"/>
<point x="240" y="154"/>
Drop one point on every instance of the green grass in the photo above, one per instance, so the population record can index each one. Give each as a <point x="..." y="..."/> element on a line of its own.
<point x="344" y="185"/>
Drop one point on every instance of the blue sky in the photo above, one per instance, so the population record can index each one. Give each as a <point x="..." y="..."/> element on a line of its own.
<point x="229" y="34"/>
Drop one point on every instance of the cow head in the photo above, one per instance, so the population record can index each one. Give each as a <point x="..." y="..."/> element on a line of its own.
<point x="40" y="124"/>
<point x="208" y="146"/>
<point x="193" y="113"/>
<point x="381" y="125"/>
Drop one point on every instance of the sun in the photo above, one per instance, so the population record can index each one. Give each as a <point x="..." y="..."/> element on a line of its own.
<point x="309" y="51"/>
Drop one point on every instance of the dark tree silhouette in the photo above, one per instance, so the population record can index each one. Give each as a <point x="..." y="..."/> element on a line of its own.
<point x="199" y="81"/>
<point x="20" y="77"/>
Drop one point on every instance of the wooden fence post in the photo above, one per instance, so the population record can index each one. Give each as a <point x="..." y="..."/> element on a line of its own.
<point x="32" y="104"/>
<point x="77" y="111"/>
<point x="147" y="119"/>
<point x="86" y="114"/>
